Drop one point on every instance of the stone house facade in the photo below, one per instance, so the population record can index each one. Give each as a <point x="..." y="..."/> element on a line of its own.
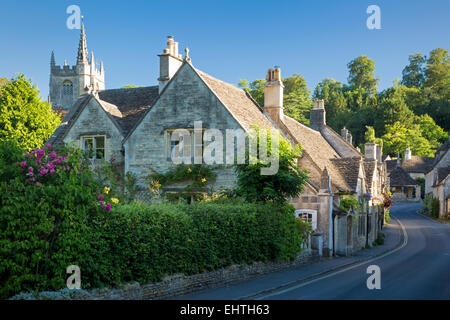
<point x="135" y="126"/>
<point x="437" y="180"/>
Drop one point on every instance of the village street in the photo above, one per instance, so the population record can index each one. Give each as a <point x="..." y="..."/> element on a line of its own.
<point x="417" y="268"/>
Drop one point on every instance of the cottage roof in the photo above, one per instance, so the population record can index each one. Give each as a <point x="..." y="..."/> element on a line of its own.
<point x="369" y="168"/>
<point x="342" y="146"/>
<point x="349" y="168"/>
<point x="131" y="102"/>
<point x="238" y="102"/>
<point x="442" y="174"/>
<point x="418" y="164"/>
<point x="318" y="149"/>
<point x="125" y="106"/>
<point x="400" y="178"/>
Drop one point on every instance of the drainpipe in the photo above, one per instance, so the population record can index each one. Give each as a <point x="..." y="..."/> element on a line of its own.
<point x="367" y="223"/>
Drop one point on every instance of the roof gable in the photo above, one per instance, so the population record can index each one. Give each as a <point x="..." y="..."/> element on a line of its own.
<point x="399" y="177"/>
<point x="342" y="147"/>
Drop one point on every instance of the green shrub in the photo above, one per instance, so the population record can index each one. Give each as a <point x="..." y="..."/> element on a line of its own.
<point x="387" y="217"/>
<point x="56" y="217"/>
<point x="146" y="242"/>
<point x="47" y="222"/>
<point x="430" y="206"/>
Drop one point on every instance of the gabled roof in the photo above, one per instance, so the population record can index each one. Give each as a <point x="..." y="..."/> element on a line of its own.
<point x="238" y="102"/>
<point x="58" y="136"/>
<point x="131" y="102"/>
<point x="400" y="178"/>
<point x="369" y="168"/>
<point x="342" y="147"/>
<point x="124" y="106"/>
<point x="349" y="168"/>
<point x="441" y="175"/>
<point x="414" y="165"/>
<point x="318" y="149"/>
<point x="418" y="164"/>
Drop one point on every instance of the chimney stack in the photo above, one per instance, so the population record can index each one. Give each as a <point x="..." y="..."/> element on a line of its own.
<point x="273" y="95"/>
<point x="169" y="62"/>
<point x="408" y="154"/>
<point x="370" y="151"/>
<point x="346" y="135"/>
<point x="317" y="116"/>
<point x="379" y="153"/>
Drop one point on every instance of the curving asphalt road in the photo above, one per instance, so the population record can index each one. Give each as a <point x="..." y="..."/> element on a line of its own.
<point x="419" y="270"/>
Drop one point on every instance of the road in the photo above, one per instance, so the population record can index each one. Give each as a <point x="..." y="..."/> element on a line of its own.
<point x="420" y="269"/>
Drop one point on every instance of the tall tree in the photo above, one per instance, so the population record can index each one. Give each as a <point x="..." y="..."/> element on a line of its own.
<point x="255" y="88"/>
<point x="297" y="98"/>
<point x="361" y="74"/>
<point x="437" y="72"/>
<point x="413" y="73"/>
<point x="398" y="137"/>
<point x="431" y="131"/>
<point x="393" y="108"/>
<point x="24" y="117"/>
<point x="331" y="91"/>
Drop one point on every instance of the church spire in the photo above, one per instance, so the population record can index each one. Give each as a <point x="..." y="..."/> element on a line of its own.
<point x="52" y="60"/>
<point x="82" y="48"/>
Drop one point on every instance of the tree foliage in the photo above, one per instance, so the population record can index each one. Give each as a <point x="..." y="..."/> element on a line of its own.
<point x="24" y="117"/>
<point x="287" y="182"/>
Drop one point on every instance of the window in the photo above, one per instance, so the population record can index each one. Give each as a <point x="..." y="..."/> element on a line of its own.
<point x="95" y="145"/>
<point x="362" y="225"/>
<point x="67" y="88"/>
<point x="308" y="215"/>
<point x="182" y="144"/>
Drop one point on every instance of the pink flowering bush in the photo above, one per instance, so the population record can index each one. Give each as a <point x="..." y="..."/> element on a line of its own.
<point x="49" y="218"/>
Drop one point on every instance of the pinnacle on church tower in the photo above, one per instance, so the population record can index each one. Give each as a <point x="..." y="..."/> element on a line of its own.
<point x="82" y="48"/>
<point x="52" y="59"/>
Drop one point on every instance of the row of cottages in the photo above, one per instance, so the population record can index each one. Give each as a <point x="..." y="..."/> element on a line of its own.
<point x="134" y="127"/>
<point x="437" y="180"/>
<point x="404" y="174"/>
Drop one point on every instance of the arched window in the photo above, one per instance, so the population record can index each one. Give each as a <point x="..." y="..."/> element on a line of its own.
<point x="67" y="88"/>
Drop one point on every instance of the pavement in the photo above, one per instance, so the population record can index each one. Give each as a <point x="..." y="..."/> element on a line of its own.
<point x="414" y="262"/>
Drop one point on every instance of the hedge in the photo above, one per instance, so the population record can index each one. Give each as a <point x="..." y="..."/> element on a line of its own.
<point x="138" y="242"/>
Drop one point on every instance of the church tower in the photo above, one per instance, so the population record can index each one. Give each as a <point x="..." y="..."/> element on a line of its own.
<point x="68" y="83"/>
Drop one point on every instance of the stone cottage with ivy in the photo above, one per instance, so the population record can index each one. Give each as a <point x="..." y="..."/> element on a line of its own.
<point x="134" y="126"/>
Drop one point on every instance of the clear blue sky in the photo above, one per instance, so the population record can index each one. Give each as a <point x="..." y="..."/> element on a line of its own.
<point x="228" y="39"/>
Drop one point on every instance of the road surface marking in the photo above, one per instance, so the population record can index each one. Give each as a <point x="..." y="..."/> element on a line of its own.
<point x="405" y="242"/>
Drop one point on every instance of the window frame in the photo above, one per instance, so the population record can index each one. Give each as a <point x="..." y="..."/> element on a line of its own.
<point x="192" y="146"/>
<point x="311" y="216"/>
<point x="94" y="145"/>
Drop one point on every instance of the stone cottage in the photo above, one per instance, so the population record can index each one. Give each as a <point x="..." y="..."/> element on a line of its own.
<point x="437" y="180"/>
<point x="135" y="126"/>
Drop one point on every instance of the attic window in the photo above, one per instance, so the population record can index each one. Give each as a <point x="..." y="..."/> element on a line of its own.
<point x="95" y="146"/>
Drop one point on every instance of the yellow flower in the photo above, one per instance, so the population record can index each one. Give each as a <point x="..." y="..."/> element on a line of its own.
<point x="189" y="170"/>
<point x="106" y="190"/>
<point x="203" y="180"/>
<point x="115" y="200"/>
